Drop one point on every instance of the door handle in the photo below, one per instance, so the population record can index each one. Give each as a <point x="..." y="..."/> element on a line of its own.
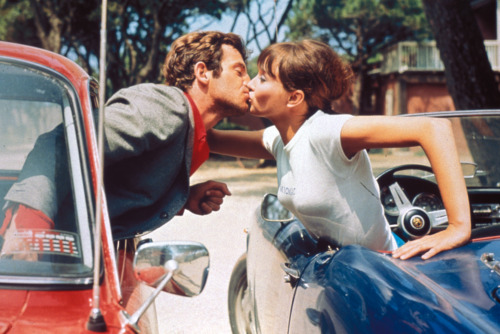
<point x="291" y="275"/>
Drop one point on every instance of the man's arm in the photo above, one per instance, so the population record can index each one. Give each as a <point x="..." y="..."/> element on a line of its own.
<point x="44" y="178"/>
<point x="144" y="117"/>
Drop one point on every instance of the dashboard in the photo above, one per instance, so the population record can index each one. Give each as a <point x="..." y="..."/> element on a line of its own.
<point x="485" y="203"/>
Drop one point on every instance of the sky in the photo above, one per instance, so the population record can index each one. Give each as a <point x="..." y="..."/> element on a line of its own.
<point x="241" y="27"/>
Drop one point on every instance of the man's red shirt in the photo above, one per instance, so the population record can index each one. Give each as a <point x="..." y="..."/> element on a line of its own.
<point x="201" y="151"/>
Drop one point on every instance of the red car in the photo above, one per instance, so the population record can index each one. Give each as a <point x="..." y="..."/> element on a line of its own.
<point x="48" y="285"/>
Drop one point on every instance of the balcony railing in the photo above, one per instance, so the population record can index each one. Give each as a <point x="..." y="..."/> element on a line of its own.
<point x="414" y="56"/>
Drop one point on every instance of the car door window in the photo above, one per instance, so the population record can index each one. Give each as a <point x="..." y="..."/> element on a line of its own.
<point x="42" y="169"/>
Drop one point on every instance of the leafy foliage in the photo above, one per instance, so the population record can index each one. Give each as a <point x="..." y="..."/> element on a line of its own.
<point x="359" y="29"/>
<point x="139" y="31"/>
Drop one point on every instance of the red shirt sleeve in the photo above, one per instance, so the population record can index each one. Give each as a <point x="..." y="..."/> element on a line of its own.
<point x="26" y="218"/>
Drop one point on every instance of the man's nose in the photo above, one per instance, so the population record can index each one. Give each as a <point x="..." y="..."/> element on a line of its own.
<point x="247" y="79"/>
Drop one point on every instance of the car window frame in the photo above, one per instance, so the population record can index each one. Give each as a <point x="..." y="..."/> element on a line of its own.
<point x="81" y="186"/>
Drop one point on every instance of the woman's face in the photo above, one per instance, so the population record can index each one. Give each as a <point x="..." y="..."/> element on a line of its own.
<point x="268" y="97"/>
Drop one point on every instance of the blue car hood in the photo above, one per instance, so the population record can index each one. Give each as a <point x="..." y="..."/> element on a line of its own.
<point x="366" y="291"/>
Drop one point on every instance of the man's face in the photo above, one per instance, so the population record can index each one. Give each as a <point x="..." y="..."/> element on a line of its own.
<point x="229" y="91"/>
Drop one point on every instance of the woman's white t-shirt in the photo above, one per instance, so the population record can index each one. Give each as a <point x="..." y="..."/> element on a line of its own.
<point x="334" y="197"/>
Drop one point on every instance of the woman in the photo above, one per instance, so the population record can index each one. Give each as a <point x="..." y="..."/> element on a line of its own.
<point x="324" y="174"/>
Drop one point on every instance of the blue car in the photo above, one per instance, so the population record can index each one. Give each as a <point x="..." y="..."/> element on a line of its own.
<point x="289" y="282"/>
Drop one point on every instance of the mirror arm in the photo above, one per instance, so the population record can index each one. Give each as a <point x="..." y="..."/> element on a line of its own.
<point x="171" y="266"/>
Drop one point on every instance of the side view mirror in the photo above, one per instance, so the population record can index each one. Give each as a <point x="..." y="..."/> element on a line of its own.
<point x="190" y="274"/>
<point x="176" y="267"/>
<point x="469" y="169"/>
<point x="272" y="210"/>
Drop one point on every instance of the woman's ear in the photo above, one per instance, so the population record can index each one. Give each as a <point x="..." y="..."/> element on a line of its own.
<point x="296" y="97"/>
<point x="201" y="72"/>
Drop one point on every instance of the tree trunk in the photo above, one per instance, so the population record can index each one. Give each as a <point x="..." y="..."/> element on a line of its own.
<point x="365" y="92"/>
<point x="48" y="26"/>
<point x="470" y="79"/>
<point x="149" y="71"/>
<point x="469" y="76"/>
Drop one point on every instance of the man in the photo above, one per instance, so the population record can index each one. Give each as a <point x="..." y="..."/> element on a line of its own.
<point x="154" y="140"/>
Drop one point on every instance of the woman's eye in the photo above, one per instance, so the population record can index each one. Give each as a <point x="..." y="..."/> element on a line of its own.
<point x="262" y="78"/>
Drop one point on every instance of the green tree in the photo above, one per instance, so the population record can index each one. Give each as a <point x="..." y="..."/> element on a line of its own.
<point x="360" y="29"/>
<point x="15" y="22"/>
<point x="65" y="27"/>
<point x="139" y="32"/>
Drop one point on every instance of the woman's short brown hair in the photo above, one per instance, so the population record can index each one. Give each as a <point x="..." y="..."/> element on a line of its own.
<point x="310" y="66"/>
<point x="204" y="46"/>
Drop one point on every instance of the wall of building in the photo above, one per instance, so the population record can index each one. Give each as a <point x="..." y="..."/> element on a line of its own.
<point x="389" y="96"/>
<point x="427" y="97"/>
<point x="413" y="92"/>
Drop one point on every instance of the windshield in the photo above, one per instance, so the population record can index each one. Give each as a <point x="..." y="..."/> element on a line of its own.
<point x="45" y="226"/>
<point x="477" y="137"/>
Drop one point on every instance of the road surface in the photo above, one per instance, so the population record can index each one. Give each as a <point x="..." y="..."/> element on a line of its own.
<point x="223" y="235"/>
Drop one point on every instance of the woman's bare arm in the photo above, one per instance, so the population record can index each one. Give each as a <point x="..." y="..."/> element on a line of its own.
<point x="435" y="136"/>
<point x="243" y="144"/>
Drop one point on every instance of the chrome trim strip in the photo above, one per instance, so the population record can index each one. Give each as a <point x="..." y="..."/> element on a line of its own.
<point x="22" y="280"/>
<point x="457" y="113"/>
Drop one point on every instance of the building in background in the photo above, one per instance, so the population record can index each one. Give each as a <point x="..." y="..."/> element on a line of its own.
<point x="411" y="77"/>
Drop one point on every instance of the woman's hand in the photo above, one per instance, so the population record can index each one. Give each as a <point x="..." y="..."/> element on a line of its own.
<point x="433" y="244"/>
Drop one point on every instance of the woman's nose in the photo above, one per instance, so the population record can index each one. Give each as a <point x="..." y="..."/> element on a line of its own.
<point x="250" y="84"/>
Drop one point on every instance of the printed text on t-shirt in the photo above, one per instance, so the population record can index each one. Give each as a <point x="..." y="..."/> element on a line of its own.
<point x="287" y="191"/>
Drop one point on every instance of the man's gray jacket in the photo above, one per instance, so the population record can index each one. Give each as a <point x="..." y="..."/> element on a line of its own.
<point x="149" y="131"/>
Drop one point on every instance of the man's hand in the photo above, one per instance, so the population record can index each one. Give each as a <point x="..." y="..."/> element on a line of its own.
<point x="433" y="244"/>
<point x="206" y="197"/>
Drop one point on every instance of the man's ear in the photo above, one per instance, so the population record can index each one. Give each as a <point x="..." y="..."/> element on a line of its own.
<point x="201" y="72"/>
<point x="296" y="97"/>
